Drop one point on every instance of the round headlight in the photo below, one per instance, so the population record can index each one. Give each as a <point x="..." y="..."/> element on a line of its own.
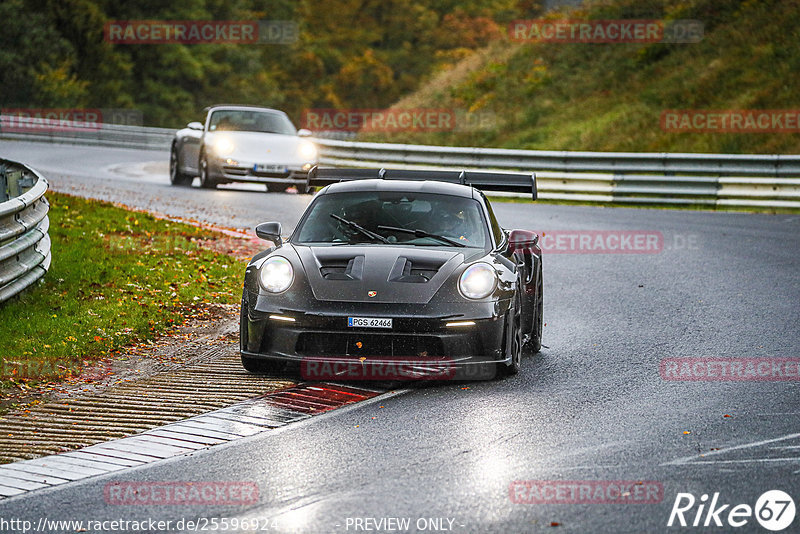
<point x="223" y="145"/>
<point x="276" y="274"/>
<point x="477" y="281"/>
<point x="307" y="150"/>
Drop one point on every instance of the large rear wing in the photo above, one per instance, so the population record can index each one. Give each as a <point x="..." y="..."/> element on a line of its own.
<point x="486" y="181"/>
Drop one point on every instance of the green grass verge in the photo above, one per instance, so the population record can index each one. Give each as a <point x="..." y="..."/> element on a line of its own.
<point x="117" y="277"/>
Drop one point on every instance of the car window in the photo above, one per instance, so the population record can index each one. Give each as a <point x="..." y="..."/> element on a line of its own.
<point x="497" y="230"/>
<point x="250" y="121"/>
<point x="456" y="218"/>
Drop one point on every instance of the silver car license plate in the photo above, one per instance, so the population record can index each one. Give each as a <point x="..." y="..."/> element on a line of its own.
<point x="263" y="167"/>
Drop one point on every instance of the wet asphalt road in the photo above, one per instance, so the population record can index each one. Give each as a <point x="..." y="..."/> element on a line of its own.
<point x="592" y="406"/>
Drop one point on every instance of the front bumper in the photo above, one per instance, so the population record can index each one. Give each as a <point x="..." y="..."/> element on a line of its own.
<point x="319" y="338"/>
<point x="228" y="169"/>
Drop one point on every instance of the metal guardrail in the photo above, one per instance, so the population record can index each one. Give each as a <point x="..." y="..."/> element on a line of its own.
<point x="99" y="134"/>
<point x="24" y="242"/>
<point x="712" y="180"/>
<point x="725" y="180"/>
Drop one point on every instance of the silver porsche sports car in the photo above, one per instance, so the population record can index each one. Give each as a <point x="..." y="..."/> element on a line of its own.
<point x="242" y="144"/>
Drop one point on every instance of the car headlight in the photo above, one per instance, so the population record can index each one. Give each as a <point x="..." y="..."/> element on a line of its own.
<point x="222" y="145"/>
<point x="276" y="274"/>
<point x="306" y="150"/>
<point x="477" y="281"/>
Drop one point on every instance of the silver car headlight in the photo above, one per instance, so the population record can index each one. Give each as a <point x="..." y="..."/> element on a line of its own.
<point x="477" y="281"/>
<point x="276" y="274"/>
<point x="306" y="150"/>
<point x="222" y="145"/>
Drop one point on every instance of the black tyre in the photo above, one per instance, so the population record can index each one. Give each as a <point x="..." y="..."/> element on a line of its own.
<point x="514" y="339"/>
<point x="176" y="177"/>
<point x="534" y="344"/>
<point x="276" y="188"/>
<point x="259" y="366"/>
<point x="205" y="181"/>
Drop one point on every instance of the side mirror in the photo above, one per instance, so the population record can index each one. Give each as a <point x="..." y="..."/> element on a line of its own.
<point x="270" y="231"/>
<point x="522" y="240"/>
<point x="195" y="125"/>
<point x="303" y="132"/>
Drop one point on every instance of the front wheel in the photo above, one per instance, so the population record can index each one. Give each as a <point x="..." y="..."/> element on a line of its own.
<point x="205" y="180"/>
<point x="535" y="342"/>
<point x="514" y="339"/>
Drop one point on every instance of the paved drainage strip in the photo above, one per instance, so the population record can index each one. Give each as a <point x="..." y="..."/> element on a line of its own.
<point x="247" y="418"/>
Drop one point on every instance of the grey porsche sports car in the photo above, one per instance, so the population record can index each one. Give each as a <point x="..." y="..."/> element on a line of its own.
<point x="395" y="274"/>
<point x="242" y="144"/>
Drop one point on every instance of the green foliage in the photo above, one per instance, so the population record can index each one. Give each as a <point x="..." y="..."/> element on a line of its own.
<point x="349" y="54"/>
<point x="609" y="97"/>
<point x="117" y="277"/>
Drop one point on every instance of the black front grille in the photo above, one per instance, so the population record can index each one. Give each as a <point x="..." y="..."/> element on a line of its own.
<point x="356" y="344"/>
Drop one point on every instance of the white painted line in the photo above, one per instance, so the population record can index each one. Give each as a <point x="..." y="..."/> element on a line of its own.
<point x="247" y="419"/>
<point x="146" y="445"/>
<point x="189" y="446"/>
<point x="195" y="432"/>
<point x="117" y="455"/>
<point x="84" y="455"/>
<point x="88" y="463"/>
<point x="26" y="485"/>
<point x="191" y="438"/>
<point x="5" y="491"/>
<point x="22" y="467"/>
<point x="265" y="410"/>
<point x="111" y="449"/>
<point x="745" y="461"/>
<point x="225" y="425"/>
<point x="201" y="426"/>
<point x="53" y="462"/>
<point x="688" y="459"/>
<point x="143" y="449"/>
<point x="32" y="477"/>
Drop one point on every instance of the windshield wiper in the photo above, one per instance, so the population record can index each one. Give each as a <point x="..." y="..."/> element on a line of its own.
<point x="422" y="233"/>
<point x="360" y="228"/>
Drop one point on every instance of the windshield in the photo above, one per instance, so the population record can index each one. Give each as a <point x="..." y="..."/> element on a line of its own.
<point x="250" y="121"/>
<point x="344" y="217"/>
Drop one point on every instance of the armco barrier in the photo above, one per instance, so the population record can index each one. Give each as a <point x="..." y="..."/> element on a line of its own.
<point x="713" y="180"/>
<point x="24" y="243"/>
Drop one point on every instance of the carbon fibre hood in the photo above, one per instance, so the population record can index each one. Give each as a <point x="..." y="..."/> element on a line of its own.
<point x="380" y="273"/>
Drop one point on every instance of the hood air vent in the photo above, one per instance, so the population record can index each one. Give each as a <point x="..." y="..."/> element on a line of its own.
<point x="342" y="268"/>
<point x="414" y="272"/>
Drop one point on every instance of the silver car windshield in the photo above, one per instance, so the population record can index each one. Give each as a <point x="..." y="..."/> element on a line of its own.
<point x="250" y="121"/>
<point x="340" y="218"/>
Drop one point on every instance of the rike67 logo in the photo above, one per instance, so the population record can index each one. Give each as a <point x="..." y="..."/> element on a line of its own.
<point x="774" y="510"/>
